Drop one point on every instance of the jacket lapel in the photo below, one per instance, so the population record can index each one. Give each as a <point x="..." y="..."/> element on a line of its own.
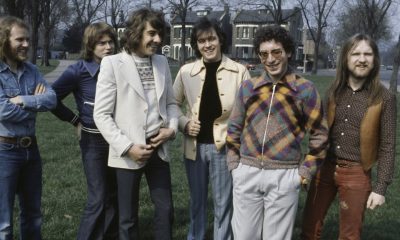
<point x="131" y="74"/>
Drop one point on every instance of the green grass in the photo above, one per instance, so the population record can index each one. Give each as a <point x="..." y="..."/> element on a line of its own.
<point x="64" y="188"/>
<point x="46" y="69"/>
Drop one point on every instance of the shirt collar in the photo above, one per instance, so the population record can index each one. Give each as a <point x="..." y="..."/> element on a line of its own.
<point x="226" y="63"/>
<point x="4" y="66"/>
<point x="288" y="79"/>
<point x="92" y="67"/>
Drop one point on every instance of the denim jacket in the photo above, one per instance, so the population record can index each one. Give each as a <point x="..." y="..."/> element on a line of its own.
<point x="15" y="120"/>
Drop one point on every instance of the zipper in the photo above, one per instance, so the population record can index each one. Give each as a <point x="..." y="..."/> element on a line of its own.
<point x="266" y="125"/>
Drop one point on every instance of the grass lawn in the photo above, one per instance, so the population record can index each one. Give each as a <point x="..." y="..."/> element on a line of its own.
<point x="64" y="188"/>
<point x="46" y="69"/>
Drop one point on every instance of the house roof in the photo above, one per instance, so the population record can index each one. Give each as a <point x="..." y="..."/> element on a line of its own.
<point x="260" y="16"/>
<point x="193" y="16"/>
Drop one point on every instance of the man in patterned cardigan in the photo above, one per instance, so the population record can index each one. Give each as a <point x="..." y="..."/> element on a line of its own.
<point x="271" y="115"/>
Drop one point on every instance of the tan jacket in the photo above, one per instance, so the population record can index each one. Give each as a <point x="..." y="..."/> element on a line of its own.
<point x="369" y="132"/>
<point x="188" y="86"/>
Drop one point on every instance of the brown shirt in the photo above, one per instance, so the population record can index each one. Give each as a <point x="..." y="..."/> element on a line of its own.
<point x="345" y="132"/>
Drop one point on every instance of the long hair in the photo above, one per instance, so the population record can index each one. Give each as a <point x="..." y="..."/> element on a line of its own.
<point x="204" y="25"/>
<point x="372" y="82"/>
<point x="6" y="24"/>
<point x="136" y="24"/>
<point x="92" y="35"/>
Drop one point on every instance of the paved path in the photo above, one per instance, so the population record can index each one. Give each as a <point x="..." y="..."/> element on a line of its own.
<point x="53" y="75"/>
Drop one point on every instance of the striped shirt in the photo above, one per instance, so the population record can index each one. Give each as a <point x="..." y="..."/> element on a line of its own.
<point x="269" y="122"/>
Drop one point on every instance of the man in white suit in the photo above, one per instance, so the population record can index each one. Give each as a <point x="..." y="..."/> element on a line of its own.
<point x="136" y="113"/>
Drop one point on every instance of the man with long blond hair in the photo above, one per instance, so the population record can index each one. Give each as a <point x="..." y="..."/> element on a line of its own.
<point x="100" y="217"/>
<point x="362" y="120"/>
<point x="23" y="93"/>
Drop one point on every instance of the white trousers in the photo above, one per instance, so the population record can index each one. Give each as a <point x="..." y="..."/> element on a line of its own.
<point x="264" y="202"/>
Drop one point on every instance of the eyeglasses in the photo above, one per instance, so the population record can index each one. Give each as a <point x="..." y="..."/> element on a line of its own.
<point x="276" y="53"/>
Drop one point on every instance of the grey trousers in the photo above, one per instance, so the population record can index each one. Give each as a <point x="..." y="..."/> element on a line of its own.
<point x="264" y="202"/>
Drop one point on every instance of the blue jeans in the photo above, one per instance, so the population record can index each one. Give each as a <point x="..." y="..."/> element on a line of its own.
<point x="20" y="174"/>
<point x="209" y="164"/>
<point x="100" y="217"/>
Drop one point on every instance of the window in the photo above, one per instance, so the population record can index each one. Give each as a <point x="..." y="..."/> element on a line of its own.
<point x="246" y="32"/>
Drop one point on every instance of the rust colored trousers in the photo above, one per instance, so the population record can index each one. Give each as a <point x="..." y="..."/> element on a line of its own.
<point x="353" y="185"/>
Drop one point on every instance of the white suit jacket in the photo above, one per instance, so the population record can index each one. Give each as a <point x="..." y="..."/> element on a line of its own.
<point x="120" y="108"/>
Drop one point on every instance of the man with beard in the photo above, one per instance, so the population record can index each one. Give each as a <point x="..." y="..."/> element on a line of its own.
<point x="136" y="113"/>
<point x="362" y="121"/>
<point x="269" y="120"/>
<point x="23" y="93"/>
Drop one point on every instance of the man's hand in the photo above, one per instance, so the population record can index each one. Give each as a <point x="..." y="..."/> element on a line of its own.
<point x="304" y="183"/>
<point x="40" y="89"/>
<point x="140" y="152"/>
<point x="375" y="200"/>
<point x="163" y="135"/>
<point x="192" y="128"/>
<point x="17" y="100"/>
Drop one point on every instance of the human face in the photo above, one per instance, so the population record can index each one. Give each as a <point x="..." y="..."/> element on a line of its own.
<point x="150" y="42"/>
<point x="104" y="47"/>
<point x="360" y="60"/>
<point x="209" y="46"/>
<point x="275" y="59"/>
<point x="19" y="45"/>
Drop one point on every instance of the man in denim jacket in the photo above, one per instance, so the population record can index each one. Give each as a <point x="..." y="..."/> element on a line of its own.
<point x="23" y="92"/>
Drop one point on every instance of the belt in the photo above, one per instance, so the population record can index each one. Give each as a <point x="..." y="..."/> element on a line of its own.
<point x="343" y="163"/>
<point x="23" y="142"/>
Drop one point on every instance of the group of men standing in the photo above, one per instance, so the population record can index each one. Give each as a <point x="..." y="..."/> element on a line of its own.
<point x="241" y="134"/>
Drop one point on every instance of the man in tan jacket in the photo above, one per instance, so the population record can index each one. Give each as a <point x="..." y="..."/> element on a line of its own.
<point x="209" y="86"/>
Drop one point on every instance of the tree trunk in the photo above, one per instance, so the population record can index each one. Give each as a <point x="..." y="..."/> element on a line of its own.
<point x="182" y="58"/>
<point x="46" y="47"/>
<point x="396" y="63"/>
<point x="316" y="53"/>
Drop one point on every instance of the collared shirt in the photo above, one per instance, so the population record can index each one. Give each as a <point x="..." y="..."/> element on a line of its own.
<point x="79" y="79"/>
<point x="293" y="107"/>
<point x="345" y="132"/>
<point x="15" y="120"/>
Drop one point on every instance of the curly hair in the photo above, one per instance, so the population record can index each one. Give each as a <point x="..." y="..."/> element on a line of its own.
<point x="136" y="24"/>
<point x="206" y="25"/>
<point x="273" y="32"/>
<point x="92" y="35"/>
<point x="6" y="24"/>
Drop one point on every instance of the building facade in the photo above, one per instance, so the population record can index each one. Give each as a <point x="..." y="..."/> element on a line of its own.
<point x="246" y="23"/>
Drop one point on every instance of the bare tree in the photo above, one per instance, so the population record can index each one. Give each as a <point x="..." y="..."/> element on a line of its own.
<point x="180" y="9"/>
<point x="115" y="12"/>
<point x="394" y="77"/>
<point x="316" y="13"/>
<point x="34" y="12"/>
<point x="53" y="12"/>
<point x="14" y="7"/>
<point x="87" y="11"/>
<point x="364" y="16"/>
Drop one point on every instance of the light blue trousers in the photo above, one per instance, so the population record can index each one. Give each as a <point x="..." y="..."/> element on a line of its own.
<point x="209" y="165"/>
<point x="264" y="202"/>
